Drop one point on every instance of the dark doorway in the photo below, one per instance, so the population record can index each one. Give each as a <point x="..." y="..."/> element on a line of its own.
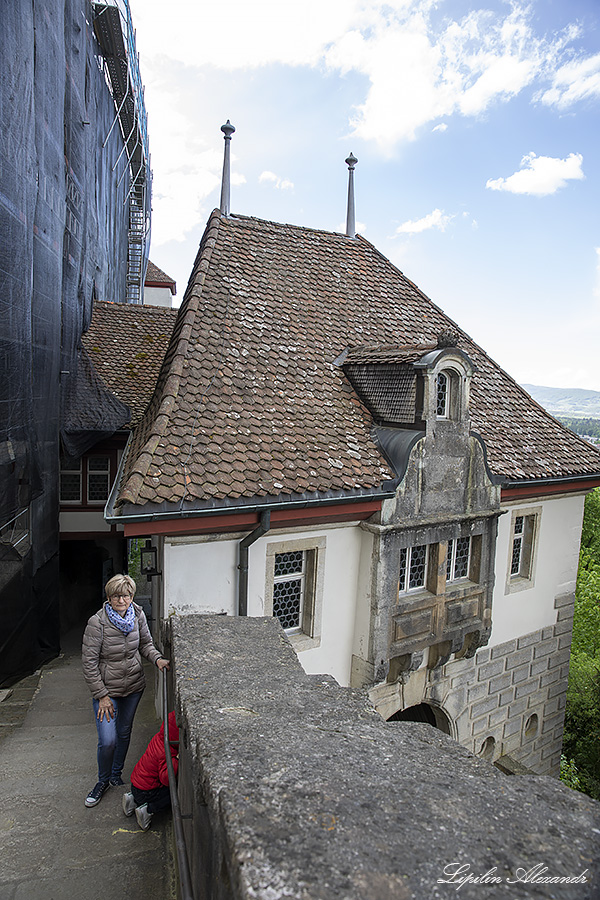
<point x="423" y="712"/>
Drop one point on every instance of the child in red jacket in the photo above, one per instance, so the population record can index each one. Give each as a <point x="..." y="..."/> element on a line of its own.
<point x="150" y="778"/>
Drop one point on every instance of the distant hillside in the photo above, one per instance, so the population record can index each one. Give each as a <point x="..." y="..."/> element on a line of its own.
<point x="566" y="401"/>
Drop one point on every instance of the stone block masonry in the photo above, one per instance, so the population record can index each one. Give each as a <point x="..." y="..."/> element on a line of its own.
<point x="298" y="789"/>
<point x="521" y="712"/>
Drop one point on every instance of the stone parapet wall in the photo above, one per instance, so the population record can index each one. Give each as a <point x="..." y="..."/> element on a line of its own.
<point x="297" y="788"/>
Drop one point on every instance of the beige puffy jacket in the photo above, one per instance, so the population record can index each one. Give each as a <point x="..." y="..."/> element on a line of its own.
<point x="111" y="659"/>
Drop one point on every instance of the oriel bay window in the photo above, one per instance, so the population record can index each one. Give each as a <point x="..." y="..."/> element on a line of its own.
<point x="422" y="566"/>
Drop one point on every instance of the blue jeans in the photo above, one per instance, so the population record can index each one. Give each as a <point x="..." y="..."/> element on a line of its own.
<point x="114" y="735"/>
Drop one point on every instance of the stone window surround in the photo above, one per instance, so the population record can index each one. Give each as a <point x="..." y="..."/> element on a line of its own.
<point x="516" y="583"/>
<point x="458" y="369"/>
<point x="435" y="570"/>
<point x="310" y="636"/>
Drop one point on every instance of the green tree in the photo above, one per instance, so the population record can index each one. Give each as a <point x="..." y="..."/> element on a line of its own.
<point x="581" y="766"/>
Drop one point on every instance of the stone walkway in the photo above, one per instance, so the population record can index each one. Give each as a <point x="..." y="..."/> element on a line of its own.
<point x="51" y="846"/>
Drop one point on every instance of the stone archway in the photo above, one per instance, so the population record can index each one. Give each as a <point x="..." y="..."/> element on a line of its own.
<point x="424" y="712"/>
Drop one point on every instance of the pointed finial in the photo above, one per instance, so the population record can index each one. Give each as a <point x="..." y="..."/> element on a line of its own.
<point x="350" y="219"/>
<point x="227" y="130"/>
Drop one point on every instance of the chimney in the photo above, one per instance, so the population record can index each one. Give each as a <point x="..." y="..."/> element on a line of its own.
<point x="227" y="130"/>
<point x="350" y="219"/>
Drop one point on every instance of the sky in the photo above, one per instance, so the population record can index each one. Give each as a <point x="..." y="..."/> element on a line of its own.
<point x="475" y="124"/>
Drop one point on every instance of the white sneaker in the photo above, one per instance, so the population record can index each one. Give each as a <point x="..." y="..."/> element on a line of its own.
<point x="144" y="818"/>
<point x="128" y="804"/>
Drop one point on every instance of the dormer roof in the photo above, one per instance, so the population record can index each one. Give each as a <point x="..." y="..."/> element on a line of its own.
<point x="155" y="277"/>
<point x="253" y="401"/>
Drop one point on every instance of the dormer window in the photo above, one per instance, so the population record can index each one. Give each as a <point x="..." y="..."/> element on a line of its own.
<point x="445" y="379"/>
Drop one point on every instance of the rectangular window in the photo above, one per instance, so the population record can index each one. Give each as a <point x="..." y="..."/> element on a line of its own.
<point x="70" y="481"/>
<point x="294" y="580"/>
<point x="524" y="530"/>
<point x="458" y="558"/>
<point x="288" y="588"/>
<point x="413" y="568"/>
<point x="85" y="481"/>
<point x="522" y="546"/>
<point x="98" y="479"/>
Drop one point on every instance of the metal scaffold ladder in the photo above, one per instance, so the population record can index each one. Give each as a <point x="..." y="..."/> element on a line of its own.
<point x="114" y="30"/>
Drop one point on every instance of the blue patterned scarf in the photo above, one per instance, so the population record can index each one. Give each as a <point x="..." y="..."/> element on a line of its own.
<point x="123" y="623"/>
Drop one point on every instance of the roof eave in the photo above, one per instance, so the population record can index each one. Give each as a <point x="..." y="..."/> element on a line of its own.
<point x="190" y="509"/>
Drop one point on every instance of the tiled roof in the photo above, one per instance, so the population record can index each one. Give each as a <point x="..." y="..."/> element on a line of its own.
<point x="385" y="354"/>
<point x="126" y="344"/>
<point x="155" y="277"/>
<point x="251" y="403"/>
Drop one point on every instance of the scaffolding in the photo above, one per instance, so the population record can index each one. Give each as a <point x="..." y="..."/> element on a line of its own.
<point x="114" y="31"/>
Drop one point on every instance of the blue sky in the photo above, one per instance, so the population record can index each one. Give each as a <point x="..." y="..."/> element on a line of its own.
<point x="476" y="129"/>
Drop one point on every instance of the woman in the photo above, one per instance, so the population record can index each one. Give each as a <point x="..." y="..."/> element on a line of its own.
<point x="112" y="667"/>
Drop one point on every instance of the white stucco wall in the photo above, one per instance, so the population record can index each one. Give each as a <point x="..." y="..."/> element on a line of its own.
<point x="83" y="520"/>
<point x="158" y="296"/>
<point x="201" y="576"/>
<point x="555" y="566"/>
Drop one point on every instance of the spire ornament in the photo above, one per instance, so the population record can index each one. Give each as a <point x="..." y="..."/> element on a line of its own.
<point x="227" y="130"/>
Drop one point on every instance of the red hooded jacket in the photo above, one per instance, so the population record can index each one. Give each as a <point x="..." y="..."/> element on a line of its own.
<point x="151" y="771"/>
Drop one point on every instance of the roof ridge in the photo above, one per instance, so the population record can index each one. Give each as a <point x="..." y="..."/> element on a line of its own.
<point x="309" y="228"/>
<point x="169" y="378"/>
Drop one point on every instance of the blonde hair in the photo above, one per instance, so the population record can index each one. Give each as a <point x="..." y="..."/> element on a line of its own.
<point x="116" y="585"/>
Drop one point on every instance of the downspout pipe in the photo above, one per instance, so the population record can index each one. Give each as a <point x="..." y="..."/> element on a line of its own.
<point x="244" y="545"/>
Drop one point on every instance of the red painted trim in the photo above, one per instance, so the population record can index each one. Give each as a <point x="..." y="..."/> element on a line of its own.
<point x="242" y="521"/>
<point x="547" y="490"/>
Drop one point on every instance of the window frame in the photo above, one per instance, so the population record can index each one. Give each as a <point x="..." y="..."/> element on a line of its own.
<point x="447" y="395"/>
<point x="407" y="566"/>
<point x="524" y="578"/>
<point x="307" y="634"/>
<point x="84" y="473"/>
<point x="453" y="396"/>
<point x="451" y="553"/>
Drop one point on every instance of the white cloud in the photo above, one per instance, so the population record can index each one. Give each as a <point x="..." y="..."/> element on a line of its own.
<point x="283" y="184"/>
<point x="417" y="69"/>
<point x="576" y="80"/>
<point x="540" y="175"/>
<point x="435" y="219"/>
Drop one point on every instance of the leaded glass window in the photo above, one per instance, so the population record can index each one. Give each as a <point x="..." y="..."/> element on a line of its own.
<point x="288" y="588"/>
<point x="443" y="390"/>
<point x="457" y="561"/>
<point x="70" y="480"/>
<point x="413" y="568"/>
<point x="517" y="548"/>
<point x="98" y="480"/>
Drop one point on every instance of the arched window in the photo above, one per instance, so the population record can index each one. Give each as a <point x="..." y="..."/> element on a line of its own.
<point x="443" y="396"/>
